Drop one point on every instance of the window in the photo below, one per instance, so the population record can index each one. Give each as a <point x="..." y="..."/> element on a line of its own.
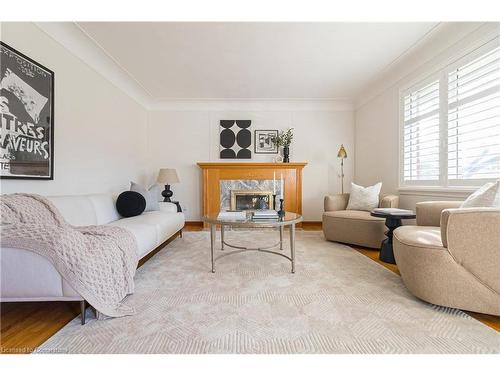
<point x="451" y="124"/>
<point x="421" y="134"/>
<point x="474" y="119"/>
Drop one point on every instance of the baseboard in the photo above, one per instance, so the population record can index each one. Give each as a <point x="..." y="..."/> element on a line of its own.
<point x="312" y="224"/>
<point x="193" y="224"/>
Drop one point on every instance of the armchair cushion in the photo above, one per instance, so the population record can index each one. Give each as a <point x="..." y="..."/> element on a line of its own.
<point x="429" y="213"/>
<point x="354" y="227"/>
<point x="419" y="236"/>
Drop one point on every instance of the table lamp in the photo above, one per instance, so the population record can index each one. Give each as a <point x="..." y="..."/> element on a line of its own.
<point x="342" y="154"/>
<point x="167" y="176"/>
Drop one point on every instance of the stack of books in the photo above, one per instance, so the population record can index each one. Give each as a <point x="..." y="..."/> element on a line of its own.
<point x="232" y="215"/>
<point x="265" y="215"/>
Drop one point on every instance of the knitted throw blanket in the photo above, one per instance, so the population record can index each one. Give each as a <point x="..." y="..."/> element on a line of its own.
<point x="99" y="262"/>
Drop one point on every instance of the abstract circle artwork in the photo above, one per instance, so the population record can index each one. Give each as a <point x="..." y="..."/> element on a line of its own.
<point x="235" y="139"/>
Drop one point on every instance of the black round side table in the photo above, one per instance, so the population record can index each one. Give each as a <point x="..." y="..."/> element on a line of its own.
<point x="392" y="221"/>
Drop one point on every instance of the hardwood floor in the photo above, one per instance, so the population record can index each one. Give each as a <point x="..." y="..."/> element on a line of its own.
<point x="26" y="325"/>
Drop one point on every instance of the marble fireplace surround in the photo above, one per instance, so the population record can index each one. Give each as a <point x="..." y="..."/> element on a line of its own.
<point x="218" y="178"/>
<point x="227" y="186"/>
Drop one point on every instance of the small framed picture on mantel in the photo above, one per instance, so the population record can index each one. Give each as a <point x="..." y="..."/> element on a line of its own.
<point x="265" y="141"/>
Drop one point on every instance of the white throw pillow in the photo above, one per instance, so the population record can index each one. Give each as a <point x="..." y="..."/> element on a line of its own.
<point x="150" y="195"/>
<point x="364" y="198"/>
<point x="487" y="195"/>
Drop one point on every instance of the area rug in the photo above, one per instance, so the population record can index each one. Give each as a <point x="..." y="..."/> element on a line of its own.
<point x="338" y="301"/>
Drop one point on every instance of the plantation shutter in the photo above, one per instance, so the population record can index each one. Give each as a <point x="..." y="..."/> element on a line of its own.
<point x="421" y="134"/>
<point x="474" y="119"/>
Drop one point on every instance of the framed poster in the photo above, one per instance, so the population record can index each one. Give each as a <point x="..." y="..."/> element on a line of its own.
<point x="235" y="139"/>
<point x="264" y="141"/>
<point x="27" y="117"/>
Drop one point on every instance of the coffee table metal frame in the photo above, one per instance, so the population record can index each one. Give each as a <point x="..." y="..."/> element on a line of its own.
<point x="290" y="219"/>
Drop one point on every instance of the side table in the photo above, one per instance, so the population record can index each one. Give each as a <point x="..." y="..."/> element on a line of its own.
<point x="393" y="219"/>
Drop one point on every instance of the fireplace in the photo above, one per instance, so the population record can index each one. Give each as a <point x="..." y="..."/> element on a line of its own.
<point x="251" y="200"/>
<point x="220" y="178"/>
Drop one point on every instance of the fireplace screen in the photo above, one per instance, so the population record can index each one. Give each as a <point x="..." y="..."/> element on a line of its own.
<point x="251" y="200"/>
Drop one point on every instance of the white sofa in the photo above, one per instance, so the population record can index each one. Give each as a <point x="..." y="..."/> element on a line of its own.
<point x="26" y="276"/>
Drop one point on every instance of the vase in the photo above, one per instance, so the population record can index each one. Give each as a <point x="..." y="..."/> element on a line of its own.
<point x="286" y="154"/>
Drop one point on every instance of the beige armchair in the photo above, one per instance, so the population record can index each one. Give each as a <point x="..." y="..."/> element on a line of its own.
<point x="452" y="256"/>
<point x="351" y="226"/>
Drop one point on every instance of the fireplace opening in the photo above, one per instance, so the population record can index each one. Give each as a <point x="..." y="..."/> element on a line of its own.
<point x="251" y="200"/>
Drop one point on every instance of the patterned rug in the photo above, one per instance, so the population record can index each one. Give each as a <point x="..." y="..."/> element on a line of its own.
<point x="338" y="301"/>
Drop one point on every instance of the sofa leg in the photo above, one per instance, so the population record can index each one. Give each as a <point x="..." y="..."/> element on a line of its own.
<point x="82" y="312"/>
<point x="180" y="233"/>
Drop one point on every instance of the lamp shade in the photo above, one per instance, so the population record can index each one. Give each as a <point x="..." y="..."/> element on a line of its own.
<point x="168" y="176"/>
<point x="342" y="152"/>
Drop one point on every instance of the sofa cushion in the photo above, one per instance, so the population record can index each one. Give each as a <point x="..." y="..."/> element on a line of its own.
<point x="152" y="228"/>
<point x="144" y="234"/>
<point x="81" y="210"/>
<point x="104" y="208"/>
<point x="76" y="210"/>
<point x="166" y="223"/>
<point x="419" y="236"/>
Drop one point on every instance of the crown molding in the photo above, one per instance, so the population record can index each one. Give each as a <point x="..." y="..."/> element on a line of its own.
<point x="431" y="53"/>
<point x="243" y="104"/>
<point x="71" y="37"/>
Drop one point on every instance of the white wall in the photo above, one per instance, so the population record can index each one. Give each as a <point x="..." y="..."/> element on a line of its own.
<point x="377" y="112"/>
<point x="181" y="138"/>
<point x="100" y="141"/>
<point x="104" y="139"/>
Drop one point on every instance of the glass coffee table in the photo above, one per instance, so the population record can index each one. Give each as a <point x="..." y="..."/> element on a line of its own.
<point x="289" y="219"/>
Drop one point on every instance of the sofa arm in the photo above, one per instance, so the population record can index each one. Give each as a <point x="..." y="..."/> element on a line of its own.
<point x="472" y="236"/>
<point x="336" y="202"/>
<point x="168" y="207"/>
<point x="429" y="213"/>
<point x="389" y="201"/>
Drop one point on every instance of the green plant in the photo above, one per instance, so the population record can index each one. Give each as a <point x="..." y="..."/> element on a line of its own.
<point x="284" y="138"/>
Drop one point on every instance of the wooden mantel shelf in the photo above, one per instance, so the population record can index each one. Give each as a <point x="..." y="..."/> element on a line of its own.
<point x="215" y="172"/>
<point x="219" y="165"/>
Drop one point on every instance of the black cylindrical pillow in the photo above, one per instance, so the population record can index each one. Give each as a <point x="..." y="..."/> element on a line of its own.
<point x="130" y="203"/>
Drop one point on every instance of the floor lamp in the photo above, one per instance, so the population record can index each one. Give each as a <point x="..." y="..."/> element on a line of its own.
<point x="342" y="154"/>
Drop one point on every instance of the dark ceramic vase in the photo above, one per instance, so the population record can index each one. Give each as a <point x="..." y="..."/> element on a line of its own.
<point x="286" y="154"/>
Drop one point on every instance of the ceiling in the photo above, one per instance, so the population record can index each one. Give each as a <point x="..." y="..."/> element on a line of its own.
<point x="189" y="60"/>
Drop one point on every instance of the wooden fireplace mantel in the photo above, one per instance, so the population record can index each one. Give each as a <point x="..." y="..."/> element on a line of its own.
<point x="214" y="172"/>
<point x="230" y="165"/>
